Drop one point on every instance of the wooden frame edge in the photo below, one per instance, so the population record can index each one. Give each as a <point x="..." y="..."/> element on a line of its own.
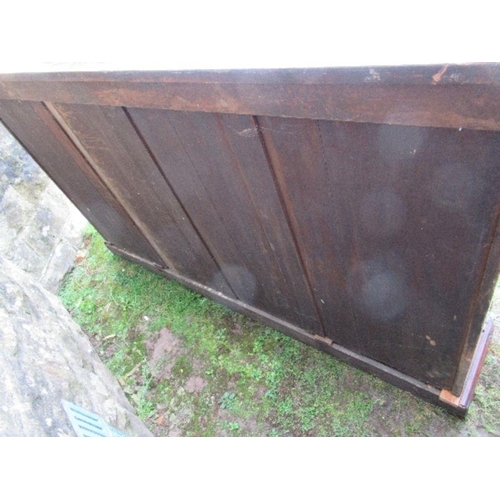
<point x="422" y="105"/>
<point x="457" y="405"/>
<point x="462" y="402"/>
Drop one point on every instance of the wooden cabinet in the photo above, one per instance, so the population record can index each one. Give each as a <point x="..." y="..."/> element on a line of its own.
<point x="353" y="209"/>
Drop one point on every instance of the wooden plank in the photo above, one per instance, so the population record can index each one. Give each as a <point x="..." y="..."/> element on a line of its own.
<point x="224" y="184"/>
<point x="295" y="155"/>
<point x="386" y="373"/>
<point x="394" y="223"/>
<point x="38" y="132"/>
<point x="481" y="302"/>
<point x="458" y="97"/>
<point x="433" y="74"/>
<point x="135" y="259"/>
<point x="477" y="363"/>
<point x="420" y="202"/>
<point x="243" y="138"/>
<point x="108" y="137"/>
<point x="384" y="238"/>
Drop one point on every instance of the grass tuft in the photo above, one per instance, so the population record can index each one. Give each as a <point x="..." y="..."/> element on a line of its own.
<point x="192" y="367"/>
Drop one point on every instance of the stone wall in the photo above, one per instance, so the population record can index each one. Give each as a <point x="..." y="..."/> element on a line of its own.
<point x="40" y="229"/>
<point x="44" y="358"/>
<point x="44" y="355"/>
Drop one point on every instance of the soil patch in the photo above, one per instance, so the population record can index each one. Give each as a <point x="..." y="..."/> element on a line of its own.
<point x="195" y="384"/>
<point x="163" y="348"/>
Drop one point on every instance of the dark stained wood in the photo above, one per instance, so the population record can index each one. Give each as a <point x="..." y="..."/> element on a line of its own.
<point x="424" y="391"/>
<point x="109" y="138"/>
<point x="217" y="168"/>
<point x="377" y="211"/>
<point x="451" y="96"/>
<point x="356" y="210"/>
<point x="420" y="204"/>
<point x="135" y="259"/>
<point x="41" y="136"/>
<point x="480" y="304"/>
<point x="434" y="74"/>
<point x="477" y="363"/>
<point x="295" y="157"/>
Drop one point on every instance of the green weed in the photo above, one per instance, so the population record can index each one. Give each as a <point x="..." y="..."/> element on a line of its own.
<point x="271" y="385"/>
<point x="228" y="401"/>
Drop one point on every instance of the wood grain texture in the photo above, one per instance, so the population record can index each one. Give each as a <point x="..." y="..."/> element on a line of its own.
<point x="42" y="137"/>
<point x="480" y="302"/>
<point x="433" y="74"/>
<point x="218" y="169"/>
<point x="394" y="225"/>
<point x="439" y="96"/>
<point x="109" y="138"/>
<point x="476" y="365"/>
<point x="384" y="372"/>
<point x="356" y="210"/>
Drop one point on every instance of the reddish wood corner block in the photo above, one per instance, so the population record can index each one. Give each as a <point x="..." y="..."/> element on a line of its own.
<point x="461" y="403"/>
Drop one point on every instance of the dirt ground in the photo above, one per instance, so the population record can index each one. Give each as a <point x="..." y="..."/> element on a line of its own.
<point x="194" y="368"/>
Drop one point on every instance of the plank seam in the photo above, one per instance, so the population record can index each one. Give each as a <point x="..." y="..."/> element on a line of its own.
<point x="170" y="186"/>
<point x="334" y="211"/>
<point x="49" y="107"/>
<point x="283" y="203"/>
<point x="258" y="219"/>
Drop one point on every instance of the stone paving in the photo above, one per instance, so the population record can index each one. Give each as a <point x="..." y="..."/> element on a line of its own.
<point x="40" y="230"/>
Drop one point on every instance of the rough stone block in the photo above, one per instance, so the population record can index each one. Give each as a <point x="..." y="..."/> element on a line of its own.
<point x="15" y="210"/>
<point x="18" y="169"/>
<point x="28" y="259"/>
<point x="60" y="263"/>
<point x="38" y="223"/>
<point x="73" y="230"/>
<point x="44" y="358"/>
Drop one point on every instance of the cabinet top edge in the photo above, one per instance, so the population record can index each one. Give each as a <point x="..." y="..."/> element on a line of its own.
<point x="435" y="74"/>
